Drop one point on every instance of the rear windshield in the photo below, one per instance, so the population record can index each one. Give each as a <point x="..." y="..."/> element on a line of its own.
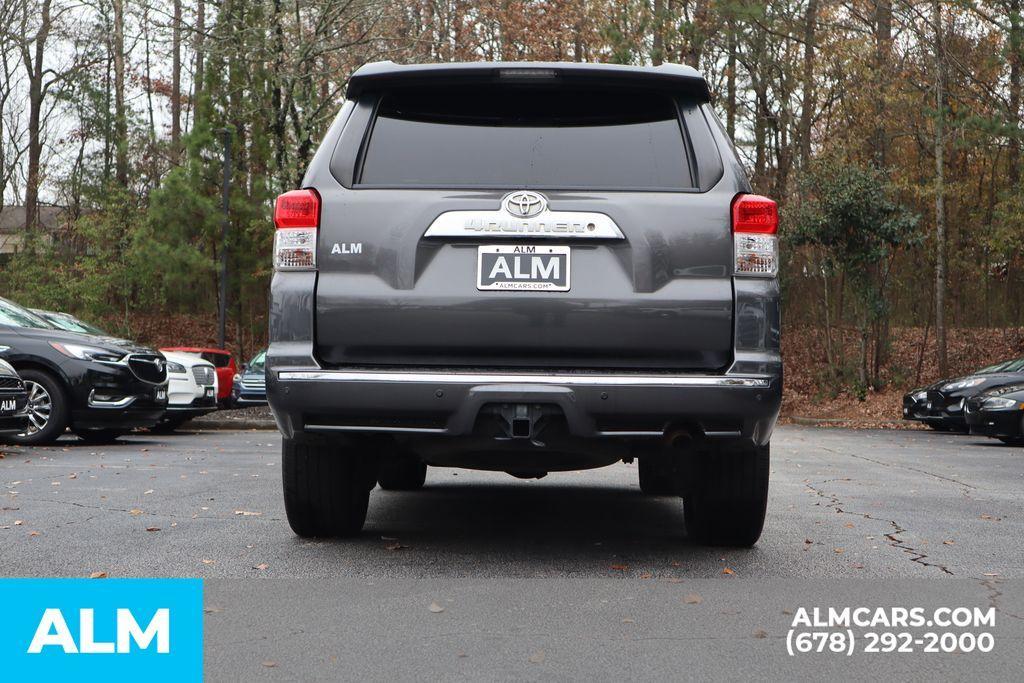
<point x="564" y="139"/>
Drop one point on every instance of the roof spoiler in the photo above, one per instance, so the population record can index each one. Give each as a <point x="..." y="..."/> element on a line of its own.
<point x="387" y="75"/>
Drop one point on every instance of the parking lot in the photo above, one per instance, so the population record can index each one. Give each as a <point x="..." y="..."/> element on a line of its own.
<point x="844" y="505"/>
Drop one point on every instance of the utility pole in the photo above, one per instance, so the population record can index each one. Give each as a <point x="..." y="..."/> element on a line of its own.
<point x="222" y="314"/>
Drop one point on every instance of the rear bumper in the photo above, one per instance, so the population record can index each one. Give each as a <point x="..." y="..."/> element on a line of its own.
<point x="448" y="403"/>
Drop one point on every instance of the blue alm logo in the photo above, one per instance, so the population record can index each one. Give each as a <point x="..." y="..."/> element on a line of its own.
<point x="102" y="629"/>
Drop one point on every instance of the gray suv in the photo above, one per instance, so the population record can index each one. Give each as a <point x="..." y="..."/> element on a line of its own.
<point x="528" y="268"/>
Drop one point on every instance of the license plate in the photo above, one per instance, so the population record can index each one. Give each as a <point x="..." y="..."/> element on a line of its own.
<point x="523" y="267"/>
<point x="209" y="392"/>
<point x="8" y="406"/>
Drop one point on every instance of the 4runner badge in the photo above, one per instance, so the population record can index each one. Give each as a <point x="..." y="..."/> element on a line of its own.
<point x="347" y="248"/>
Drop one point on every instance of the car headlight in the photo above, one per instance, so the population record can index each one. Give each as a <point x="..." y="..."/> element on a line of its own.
<point x="919" y="395"/>
<point x="176" y="368"/>
<point x="963" y="384"/>
<point x="88" y="352"/>
<point x="999" y="403"/>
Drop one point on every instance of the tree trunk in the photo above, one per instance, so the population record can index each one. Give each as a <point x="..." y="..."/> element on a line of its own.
<point x="176" y="82"/>
<point x="34" y="67"/>
<point x="1016" y="47"/>
<point x="199" y="47"/>
<point x="883" y="50"/>
<point x="807" y="107"/>
<point x="730" y="82"/>
<point x="658" y="37"/>
<point x="940" y="188"/>
<point x="120" y="115"/>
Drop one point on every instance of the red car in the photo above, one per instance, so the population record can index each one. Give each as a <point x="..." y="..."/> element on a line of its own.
<point x="222" y="360"/>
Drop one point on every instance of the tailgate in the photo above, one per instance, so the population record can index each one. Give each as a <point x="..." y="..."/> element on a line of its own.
<point x="659" y="297"/>
<point x="525" y="226"/>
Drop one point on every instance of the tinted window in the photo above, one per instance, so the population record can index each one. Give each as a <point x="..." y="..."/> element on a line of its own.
<point x="220" y="360"/>
<point x="527" y="138"/>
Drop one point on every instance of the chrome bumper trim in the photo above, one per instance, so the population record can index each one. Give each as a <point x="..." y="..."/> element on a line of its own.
<point x="120" y="403"/>
<point x="580" y="379"/>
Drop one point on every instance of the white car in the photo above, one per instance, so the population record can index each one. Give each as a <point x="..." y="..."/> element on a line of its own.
<point x="191" y="389"/>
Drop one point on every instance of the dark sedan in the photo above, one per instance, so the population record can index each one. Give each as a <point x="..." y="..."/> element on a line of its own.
<point x="941" y="405"/>
<point x="13" y="400"/>
<point x="97" y="386"/>
<point x="998" y="413"/>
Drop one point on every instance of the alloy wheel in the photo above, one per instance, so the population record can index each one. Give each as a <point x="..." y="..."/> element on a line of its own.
<point x="40" y="405"/>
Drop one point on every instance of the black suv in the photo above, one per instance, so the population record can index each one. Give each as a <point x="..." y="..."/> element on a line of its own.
<point x="526" y="267"/>
<point x="98" y="386"/>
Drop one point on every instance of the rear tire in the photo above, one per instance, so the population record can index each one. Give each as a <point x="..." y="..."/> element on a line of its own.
<point x="728" y="495"/>
<point x="327" y="486"/>
<point x="404" y="472"/>
<point x="656" y="476"/>
<point x="49" y="409"/>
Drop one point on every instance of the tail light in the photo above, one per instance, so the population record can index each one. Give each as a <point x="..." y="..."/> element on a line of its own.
<point x="296" y="217"/>
<point x="755" y="222"/>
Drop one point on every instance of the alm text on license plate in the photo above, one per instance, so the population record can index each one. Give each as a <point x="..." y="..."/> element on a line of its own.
<point x="523" y="267"/>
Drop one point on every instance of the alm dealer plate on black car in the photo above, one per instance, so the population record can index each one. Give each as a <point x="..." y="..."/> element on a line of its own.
<point x="523" y="267"/>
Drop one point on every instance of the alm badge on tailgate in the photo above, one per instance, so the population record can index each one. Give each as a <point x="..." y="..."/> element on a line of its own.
<point x="523" y="267"/>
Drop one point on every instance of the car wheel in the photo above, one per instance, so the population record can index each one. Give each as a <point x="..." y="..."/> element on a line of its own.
<point x="99" y="436"/>
<point x="48" y="409"/>
<point x="327" y="486"/>
<point x="728" y="495"/>
<point x="656" y="476"/>
<point x="403" y="472"/>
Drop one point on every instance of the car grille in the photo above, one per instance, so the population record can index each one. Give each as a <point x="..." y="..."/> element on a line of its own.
<point x="11" y="384"/>
<point x="203" y="373"/>
<point x="148" y="368"/>
<point x="255" y="383"/>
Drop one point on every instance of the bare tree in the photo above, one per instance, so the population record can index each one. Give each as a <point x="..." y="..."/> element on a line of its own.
<point x="940" y="186"/>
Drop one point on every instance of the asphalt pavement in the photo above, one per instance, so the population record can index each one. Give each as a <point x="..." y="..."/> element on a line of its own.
<point x="577" y="575"/>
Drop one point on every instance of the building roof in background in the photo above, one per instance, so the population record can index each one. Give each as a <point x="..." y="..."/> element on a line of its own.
<point x="12" y="218"/>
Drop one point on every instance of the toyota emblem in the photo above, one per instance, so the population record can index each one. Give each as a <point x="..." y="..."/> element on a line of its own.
<point x="524" y="204"/>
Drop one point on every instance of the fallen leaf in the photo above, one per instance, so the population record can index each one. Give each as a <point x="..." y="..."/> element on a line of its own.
<point x="33" y="533"/>
<point x="269" y="664"/>
<point x="537" y="657"/>
<point x="728" y="571"/>
<point x="788" y="612"/>
<point x="692" y="599"/>
<point x="759" y="633"/>
<point x="72" y="476"/>
<point x="18" y="522"/>
<point x="848" y="525"/>
<point x="619" y="567"/>
<point x="152" y="528"/>
<point x="627" y="620"/>
<point x="838" y="551"/>
<point x="247" y="513"/>
<point x="147" y="492"/>
<point x="205" y="561"/>
<point x="990" y="574"/>
<point x="261" y="566"/>
<point x="98" y="575"/>
<point x="435" y="608"/>
<point x="395" y="546"/>
<point x="646" y="575"/>
<point x="135" y="512"/>
<point x="857" y="565"/>
<point x="947" y="542"/>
